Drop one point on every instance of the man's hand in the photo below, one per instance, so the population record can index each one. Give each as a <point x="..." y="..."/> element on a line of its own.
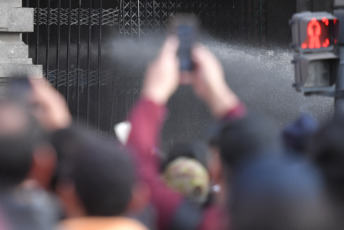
<point x="209" y="82"/>
<point x="162" y="76"/>
<point x="51" y="109"/>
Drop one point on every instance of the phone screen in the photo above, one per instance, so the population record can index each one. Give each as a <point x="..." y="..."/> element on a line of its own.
<point x="186" y="27"/>
<point x="186" y="35"/>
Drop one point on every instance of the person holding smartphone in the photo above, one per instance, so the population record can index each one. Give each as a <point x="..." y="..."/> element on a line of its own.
<point x="147" y="117"/>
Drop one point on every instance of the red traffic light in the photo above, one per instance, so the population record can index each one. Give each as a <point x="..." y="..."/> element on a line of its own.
<point x="314" y="31"/>
<point x="319" y="34"/>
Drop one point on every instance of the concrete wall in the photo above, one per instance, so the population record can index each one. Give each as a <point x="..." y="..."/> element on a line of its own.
<point x="14" y="54"/>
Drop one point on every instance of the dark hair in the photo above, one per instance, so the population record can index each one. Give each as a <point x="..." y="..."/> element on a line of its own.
<point x="66" y="142"/>
<point x="276" y="192"/>
<point x="103" y="175"/>
<point x="17" y="144"/>
<point x="327" y="152"/>
<point x="297" y="135"/>
<point x="247" y="137"/>
<point x="213" y="134"/>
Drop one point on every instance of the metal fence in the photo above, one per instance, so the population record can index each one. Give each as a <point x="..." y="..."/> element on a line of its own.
<point x="71" y="38"/>
<point x="230" y="19"/>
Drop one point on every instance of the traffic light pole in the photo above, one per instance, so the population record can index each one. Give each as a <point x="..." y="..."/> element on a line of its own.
<point x="339" y="99"/>
<point x="339" y="96"/>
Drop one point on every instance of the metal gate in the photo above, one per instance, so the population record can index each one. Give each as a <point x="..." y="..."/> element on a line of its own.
<point x="71" y="36"/>
<point x="230" y="19"/>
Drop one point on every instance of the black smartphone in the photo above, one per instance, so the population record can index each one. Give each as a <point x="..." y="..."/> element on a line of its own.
<point x="186" y="27"/>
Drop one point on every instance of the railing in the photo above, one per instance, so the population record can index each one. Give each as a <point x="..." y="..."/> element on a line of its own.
<point x="71" y="38"/>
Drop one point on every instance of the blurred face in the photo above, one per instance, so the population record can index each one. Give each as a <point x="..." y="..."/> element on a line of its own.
<point x="70" y="200"/>
<point x="12" y="119"/>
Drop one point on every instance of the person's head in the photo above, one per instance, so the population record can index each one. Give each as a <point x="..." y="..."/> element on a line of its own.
<point x="327" y="152"/>
<point x="297" y="135"/>
<point x="96" y="179"/>
<point x="247" y="137"/>
<point x="239" y="140"/>
<point x="189" y="177"/>
<point x="186" y="169"/>
<point x="277" y="192"/>
<point x="23" y="145"/>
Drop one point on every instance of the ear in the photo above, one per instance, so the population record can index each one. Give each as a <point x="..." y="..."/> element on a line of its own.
<point x="43" y="165"/>
<point x="69" y="199"/>
<point x="140" y="197"/>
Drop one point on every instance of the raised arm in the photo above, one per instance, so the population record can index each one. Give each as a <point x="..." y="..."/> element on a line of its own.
<point x="147" y="118"/>
<point x="148" y="115"/>
<point x="208" y="81"/>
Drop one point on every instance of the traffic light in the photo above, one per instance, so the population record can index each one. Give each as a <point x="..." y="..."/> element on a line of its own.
<point x="314" y="36"/>
<point x="314" y="32"/>
<point x="315" y="72"/>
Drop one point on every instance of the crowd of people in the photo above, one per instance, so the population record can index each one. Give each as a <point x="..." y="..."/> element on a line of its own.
<point x="248" y="175"/>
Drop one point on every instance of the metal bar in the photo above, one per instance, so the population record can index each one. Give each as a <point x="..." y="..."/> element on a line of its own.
<point x="154" y="14"/>
<point x="99" y="59"/>
<point x="253" y="19"/>
<point x="176" y="6"/>
<point x="189" y="6"/>
<point x="225" y="5"/>
<point x="339" y="100"/>
<point x="260" y="22"/>
<point x="27" y="34"/>
<point x="146" y="20"/>
<point x="235" y="28"/>
<point x="131" y="19"/>
<point x="312" y="6"/>
<point x="210" y="16"/>
<point x="58" y="45"/>
<point x="68" y="48"/>
<point x="48" y="41"/>
<point x="89" y="62"/>
<point x="112" y="107"/>
<point x="170" y="11"/>
<point x="241" y="29"/>
<point x="37" y="31"/>
<point x="120" y="25"/>
<point x="120" y="15"/>
<point x="245" y="22"/>
<point x="138" y="18"/>
<point x="78" y="64"/>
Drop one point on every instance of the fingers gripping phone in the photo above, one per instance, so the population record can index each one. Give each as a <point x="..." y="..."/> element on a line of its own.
<point x="186" y="27"/>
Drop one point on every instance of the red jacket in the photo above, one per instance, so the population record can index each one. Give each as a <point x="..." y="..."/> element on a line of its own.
<point x="147" y="119"/>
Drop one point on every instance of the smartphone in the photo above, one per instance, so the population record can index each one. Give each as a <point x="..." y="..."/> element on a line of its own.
<point x="186" y="27"/>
